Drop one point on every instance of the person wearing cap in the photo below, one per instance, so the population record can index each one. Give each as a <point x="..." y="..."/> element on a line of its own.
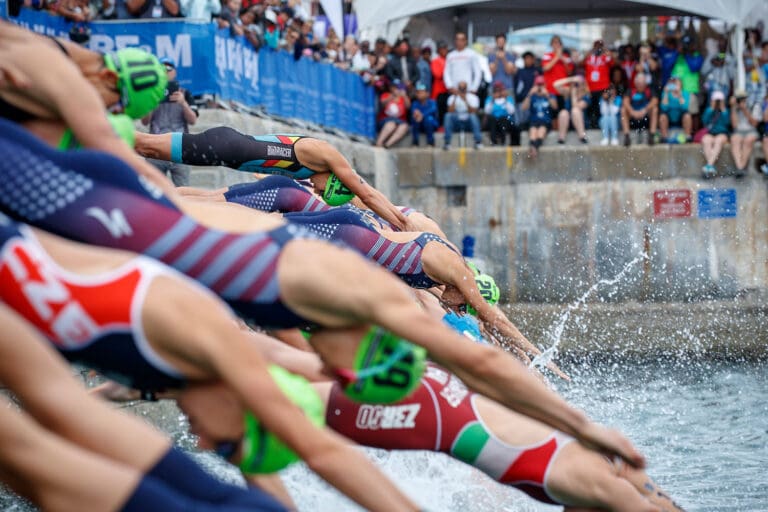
<point x="719" y="69"/>
<point x="744" y="135"/>
<point x="674" y="110"/>
<point x="423" y="115"/>
<point x="717" y="126"/>
<point x="539" y="105"/>
<point x="500" y="113"/>
<point x="173" y="114"/>
<point x="66" y="99"/>
<point x="272" y="32"/>
<point x="687" y="66"/>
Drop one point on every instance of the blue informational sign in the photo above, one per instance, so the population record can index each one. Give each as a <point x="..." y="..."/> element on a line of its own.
<point x="717" y="203"/>
<point x="212" y="61"/>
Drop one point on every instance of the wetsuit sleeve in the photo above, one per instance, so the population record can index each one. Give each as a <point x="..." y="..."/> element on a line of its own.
<point x="217" y="146"/>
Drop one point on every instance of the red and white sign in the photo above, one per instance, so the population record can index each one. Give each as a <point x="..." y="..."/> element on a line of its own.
<point x="672" y="203"/>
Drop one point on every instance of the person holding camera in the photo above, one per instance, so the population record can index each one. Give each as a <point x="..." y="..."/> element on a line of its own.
<point x="744" y="136"/>
<point x="610" y="109"/>
<point x="462" y="115"/>
<point x="500" y="113"/>
<point x="640" y="111"/>
<point x="173" y="114"/>
<point x="674" y="110"/>
<point x="393" y="115"/>
<point x="717" y="122"/>
<point x="719" y="70"/>
<point x="502" y="65"/>
<point x="540" y="105"/>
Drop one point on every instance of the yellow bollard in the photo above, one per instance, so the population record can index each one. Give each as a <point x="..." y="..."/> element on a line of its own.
<point x="510" y="160"/>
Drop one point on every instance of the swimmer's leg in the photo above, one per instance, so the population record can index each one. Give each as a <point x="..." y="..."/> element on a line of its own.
<point x="199" y="193"/>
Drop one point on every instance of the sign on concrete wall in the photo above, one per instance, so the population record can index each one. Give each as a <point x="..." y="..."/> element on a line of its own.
<point x="671" y="203"/>
<point x="717" y="203"/>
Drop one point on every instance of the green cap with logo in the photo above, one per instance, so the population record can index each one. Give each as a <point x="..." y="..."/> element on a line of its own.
<point x="336" y="193"/>
<point x="141" y="80"/>
<point x="387" y="369"/>
<point x="489" y="291"/>
<point x="121" y="124"/>
<point x="263" y="452"/>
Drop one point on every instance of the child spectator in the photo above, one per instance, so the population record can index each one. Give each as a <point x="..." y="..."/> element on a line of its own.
<point x="539" y="103"/>
<point x="640" y="111"/>
<point x="674" y="110"/>
<point x="745" y="134"/>
<point x="500" y="113"/>
<point x="423" y="115"/>
<point x="462" y="115"/>
<point x="610" y="110"/>
<point x="425" y="67"/>
<point x="392" y="115"/>
<point x="716" y="120"/>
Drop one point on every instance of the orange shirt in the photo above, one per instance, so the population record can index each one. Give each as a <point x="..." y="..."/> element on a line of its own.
<point x="438" y="85"/>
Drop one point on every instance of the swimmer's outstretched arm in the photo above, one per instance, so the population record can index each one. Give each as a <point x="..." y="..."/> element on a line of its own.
<point x="319" y="154"/>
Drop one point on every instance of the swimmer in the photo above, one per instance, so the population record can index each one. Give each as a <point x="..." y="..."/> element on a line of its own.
<point x="443" y="415"/>
<point x="274" y="275"/>
<point x="294" y="156"/>
<point x="69" y="451"/>
<point x="161" y="331"/>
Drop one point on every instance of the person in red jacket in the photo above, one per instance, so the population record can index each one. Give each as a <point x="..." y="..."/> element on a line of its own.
<point x="555" y="66"/>
<point x="439" y="90"/>
<point x="597" y="68"/>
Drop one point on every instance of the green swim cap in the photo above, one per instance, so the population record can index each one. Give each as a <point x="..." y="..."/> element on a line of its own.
<point x="262" y="451"/>
<point x="489" y="291"/>
<point x="121" y="124"/>
<point x="141" y="80"/>
<point x="336" y="193"/>
<point x="473" y="268"/>
<point x="387" y="369"/>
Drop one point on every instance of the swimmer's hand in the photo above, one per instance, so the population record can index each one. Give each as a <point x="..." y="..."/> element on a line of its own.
<point x="557" y="371"/>
<point x="13" y="78"/>
<point x="611" y="443"/>
<point x="115" y="392"/>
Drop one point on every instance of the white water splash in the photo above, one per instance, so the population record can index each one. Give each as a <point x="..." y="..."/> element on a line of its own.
<point x="556" y="334"/>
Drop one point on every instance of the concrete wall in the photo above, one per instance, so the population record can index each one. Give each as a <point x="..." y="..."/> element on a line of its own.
<point x="552" y="228"/>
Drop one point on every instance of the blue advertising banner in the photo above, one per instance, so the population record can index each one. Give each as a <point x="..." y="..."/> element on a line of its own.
<point x="717" y="203"/>
<point x="210" y="60"/>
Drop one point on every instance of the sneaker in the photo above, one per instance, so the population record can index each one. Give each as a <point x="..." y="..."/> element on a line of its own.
<point x="627" y="140"/>
<point x="708" y="171"/>
<point x="446" y="147"/>
<point x="764" y="169"/>
<point x="584" y="140"/>
<point x="478" y="145"/>
<point x="604" y="142"/>
<point x="561" y="141"/>
<point x="651" y="139"/>
<point x="739" y="173"/>
<point x="615" y="141"/>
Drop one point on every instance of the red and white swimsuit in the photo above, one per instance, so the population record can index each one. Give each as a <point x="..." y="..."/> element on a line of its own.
<point x="91" y="319"/>
<point x="441" y="416"/>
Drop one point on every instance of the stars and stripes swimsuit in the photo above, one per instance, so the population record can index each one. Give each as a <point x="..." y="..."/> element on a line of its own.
<point x="266" y="154"/>
<point x="355" y="229"/>
<point x="98" y="199"/>
<point x="441" y="416"/>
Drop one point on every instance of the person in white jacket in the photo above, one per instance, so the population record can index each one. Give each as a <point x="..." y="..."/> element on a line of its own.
<point x="462" y="65"/>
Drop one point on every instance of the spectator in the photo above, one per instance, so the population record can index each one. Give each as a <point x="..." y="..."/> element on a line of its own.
<point x="754" y="83"/>
<point x="173" y="114"/>
<point x="687" y="67"/>
<point x="393" y="115"/>
<point x="252" y="29"/>
<point x="423" y="115"/>
<point x="597" y="69"/>
<point x="351" y="56"/>
<point x="540" y="104"/>
<point x="674" y="110"/>
<point x="502" y="65"/>
<point x="640" y="111"/>
<point x="74" y="10"/>
<point x="719" y="70"/>
<point x="556" y="65"/>
<point x="523" y="83"/>
<point x="200" y="9"/>
<point x="402" y="66"/>
<point x="628" y="61"/>
<point x="500" y="114"/>
<point x="648" y="66"/>
<point x="462" y="65"/>
<point x="763" y="60"/>
<point x="230" y="17"/>
<point x="619" y="80"/>
<point x="576" y="100"/>
<point x="610" y="110"/>
<point x="381" y="47"/>
<point x="439" y="91"/>
<point x="153" y="8"/>
<point x="332" y="47"/>
<point x="462" y="115"/>
<point x="271" y="30"/>
<point x="425" y="67"/>
<point x="716" y="120"/>
<point x="763" y="109"/>
<point x="290" y="41"/>
<point x="744" y="134"/>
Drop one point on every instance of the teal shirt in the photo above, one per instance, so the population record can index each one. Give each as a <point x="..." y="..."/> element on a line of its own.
<point x="717" y="122"/>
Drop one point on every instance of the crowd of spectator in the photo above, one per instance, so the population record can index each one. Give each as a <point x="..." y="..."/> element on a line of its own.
<point x="675" y="89"/>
